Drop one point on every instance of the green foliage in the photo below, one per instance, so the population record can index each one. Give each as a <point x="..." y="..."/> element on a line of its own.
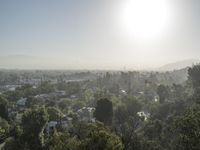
<point x="104" y="111"/>
<point x="93" y="137"/>
<point x="128" y="108"/>
<point x="3" y="108"/>
<point x="153" y="129"/>
<point x="162" y="111"/>
<point x="77" y="104"/>
<point x="88" y="97"/>
<point x="64" y="104"/>
<point x="61" y="141"/>
<point x="194" y="75"/>
<point x="188" y="127"/>
<point x="33" y="123"/>
<point x="126" y="130"/>
<point x="100" y="137"/>
<point x="163" y="93"/>
<point x="4" y="129"/>
<point x="127" y="122"/>
<point x="13" y="144"/>
<point x="151" y="145"/>
<point x="13" y="95"/>
<point x="54" y="114"/>
<point x="46" y="87"/>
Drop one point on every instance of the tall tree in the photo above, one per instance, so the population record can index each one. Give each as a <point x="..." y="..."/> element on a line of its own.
<point x="104" y="111"/>
<point x="54" y="114"/>
<point x="163" y="93"/>
<point x="33" y="123"/>
<point x="188" y="127"/>
<point x="99" y="137"/>
<point x="194" y="77"/>
<point x="3" y="108"/>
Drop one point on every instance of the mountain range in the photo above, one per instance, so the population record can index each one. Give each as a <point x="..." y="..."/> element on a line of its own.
<point x="179" y="65"/>
<point x="33" y="62"/>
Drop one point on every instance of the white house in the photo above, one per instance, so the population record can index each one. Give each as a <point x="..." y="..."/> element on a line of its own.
<point x="86" y="114"/>
<point x="143" y="114"/>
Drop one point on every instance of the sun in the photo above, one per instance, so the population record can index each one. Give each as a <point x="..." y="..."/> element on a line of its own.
<point x="145" y="18"/>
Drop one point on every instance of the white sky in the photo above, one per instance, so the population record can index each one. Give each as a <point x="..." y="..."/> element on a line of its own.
<point x="88" y="34"/>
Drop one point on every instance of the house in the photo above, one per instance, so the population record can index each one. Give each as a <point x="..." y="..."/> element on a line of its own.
<point x="61" y="93"/>
<point x="73" y="96"/>
<point x="51" y="126"/>
<point x="12" y="111"/>
<point x="156" y="98"/>
<point x="21" y="102"/>
<point x="42" y="97"/>
<point x="18" y="117"/>
<point x="86" y="114"/>
<point x="58" y="93"/>
<point x="144" y="115"/>
<point x="11" y="87"/>
<point x="66" y="122"/>
<point x="123" y="92"/>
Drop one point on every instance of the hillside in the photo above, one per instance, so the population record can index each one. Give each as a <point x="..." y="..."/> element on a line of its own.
<point x="179" y="65"/>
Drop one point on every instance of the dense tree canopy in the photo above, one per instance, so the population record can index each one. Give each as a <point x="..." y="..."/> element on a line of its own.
<point x="188" y="127"/>
<point x="3" y="107"/>
<point x="33" y="123"/>
<point x="104" y="111"/>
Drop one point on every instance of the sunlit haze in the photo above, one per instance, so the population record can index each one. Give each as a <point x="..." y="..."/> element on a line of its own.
<point x="98" y="34"/>
<point x="146" y="19"/>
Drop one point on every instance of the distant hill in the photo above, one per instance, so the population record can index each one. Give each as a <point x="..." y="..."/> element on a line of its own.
<point x="179" y="65"/>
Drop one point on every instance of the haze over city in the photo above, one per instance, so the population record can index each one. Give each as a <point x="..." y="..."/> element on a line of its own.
<point x="99" y="74"/>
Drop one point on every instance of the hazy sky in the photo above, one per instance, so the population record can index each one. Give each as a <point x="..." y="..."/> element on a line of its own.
<point x="96" y="34"/>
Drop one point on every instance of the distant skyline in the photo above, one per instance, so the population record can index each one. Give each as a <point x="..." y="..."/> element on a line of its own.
<point x="94" y="34"/>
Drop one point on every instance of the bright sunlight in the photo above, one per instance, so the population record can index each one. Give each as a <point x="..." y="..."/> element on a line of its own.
<point x="145" y="18"/>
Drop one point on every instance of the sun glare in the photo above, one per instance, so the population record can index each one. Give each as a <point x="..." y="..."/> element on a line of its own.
<point x="145" y="18"/>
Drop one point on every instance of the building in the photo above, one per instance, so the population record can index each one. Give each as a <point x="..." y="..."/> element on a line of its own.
<point x="144" y="115"/>
<point x="18" y="117"/>
<point x="51" y="126"/>
<point x="86" y="114"/>
<point x="66" y="122"/>
<point x="21" y="102"/>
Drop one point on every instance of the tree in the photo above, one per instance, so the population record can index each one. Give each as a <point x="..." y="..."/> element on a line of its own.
<point x="31" y="138"/>
<point x="62" y="141"/>
<point x="129" y="108"/>
<point x="88" y="97"/>
<point x="153" y="129"/>
<point x="12" y="144"/>
<point x="54" y="114"/>
<point x="188" y="128"/>
<point x="4" y="129"/>
<point x="194" y="77"/>
<point x="104" y="111"/>
<point x="46" y="87"/>
<point x="127" y="122"/>
<point x="94" y="136"/>
<point x="127" y="132"/>
<point x="33" y="123"/>
<point x="99" y="137"/>
<point x="163" y="93"/>
<point x="3" y="108"/>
